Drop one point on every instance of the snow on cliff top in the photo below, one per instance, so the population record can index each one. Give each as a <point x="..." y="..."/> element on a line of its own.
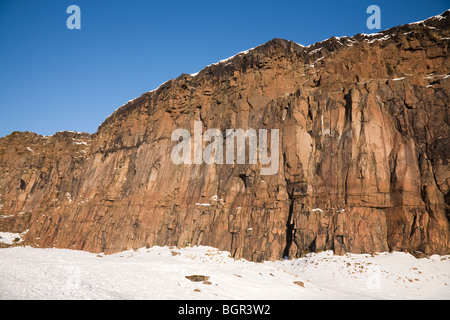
<point x="227" y="60"/>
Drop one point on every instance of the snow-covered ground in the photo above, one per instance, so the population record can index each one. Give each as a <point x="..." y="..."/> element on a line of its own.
<point x="160" y="273"/>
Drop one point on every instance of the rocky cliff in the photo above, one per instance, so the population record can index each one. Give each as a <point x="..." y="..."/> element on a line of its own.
<point x="363" y="162"/>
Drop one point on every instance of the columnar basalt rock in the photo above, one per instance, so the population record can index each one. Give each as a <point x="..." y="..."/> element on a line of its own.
<point x="364" y="150"/>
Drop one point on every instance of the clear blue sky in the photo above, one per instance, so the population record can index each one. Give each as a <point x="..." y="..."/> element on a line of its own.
<point x="55" y="79"/>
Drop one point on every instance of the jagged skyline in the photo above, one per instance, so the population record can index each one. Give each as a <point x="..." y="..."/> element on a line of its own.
<point x="55" y="79"/>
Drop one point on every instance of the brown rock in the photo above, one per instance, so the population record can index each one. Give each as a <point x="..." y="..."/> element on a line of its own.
<point x="365" y="140"/>
<point x="197" y="278"/>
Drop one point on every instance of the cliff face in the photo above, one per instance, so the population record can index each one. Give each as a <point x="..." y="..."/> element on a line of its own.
<point x="363" y="162"/>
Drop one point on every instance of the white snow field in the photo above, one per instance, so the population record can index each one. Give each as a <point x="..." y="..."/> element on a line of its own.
<point x="160" y="273"/>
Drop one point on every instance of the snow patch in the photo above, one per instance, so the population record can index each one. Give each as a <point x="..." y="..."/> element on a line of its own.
<point x="439" y="17"/>
<point x="11" y="238"/>
<point x="378" y="39"/>
<point x="11" y="215"/>
<point x="78" y="143"/>
<point x="315" y="51"/>
<point x="230" y="58"/>
<point x="371" y="34"/>
<point x="216" y="198"/>
<point x="227" y="60"/>
<point x="312" y="65"/>
<point x="437" y="76"/>
<point x="69" y="197"/>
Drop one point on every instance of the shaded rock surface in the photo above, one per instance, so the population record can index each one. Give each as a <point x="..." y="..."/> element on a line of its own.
<point x="365" y="143"/>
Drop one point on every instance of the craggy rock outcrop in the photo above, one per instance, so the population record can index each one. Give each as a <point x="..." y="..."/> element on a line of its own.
<point x="364" y="150"/>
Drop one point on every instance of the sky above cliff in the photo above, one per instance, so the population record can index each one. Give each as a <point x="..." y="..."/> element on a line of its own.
<point x="55" y="79"/>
